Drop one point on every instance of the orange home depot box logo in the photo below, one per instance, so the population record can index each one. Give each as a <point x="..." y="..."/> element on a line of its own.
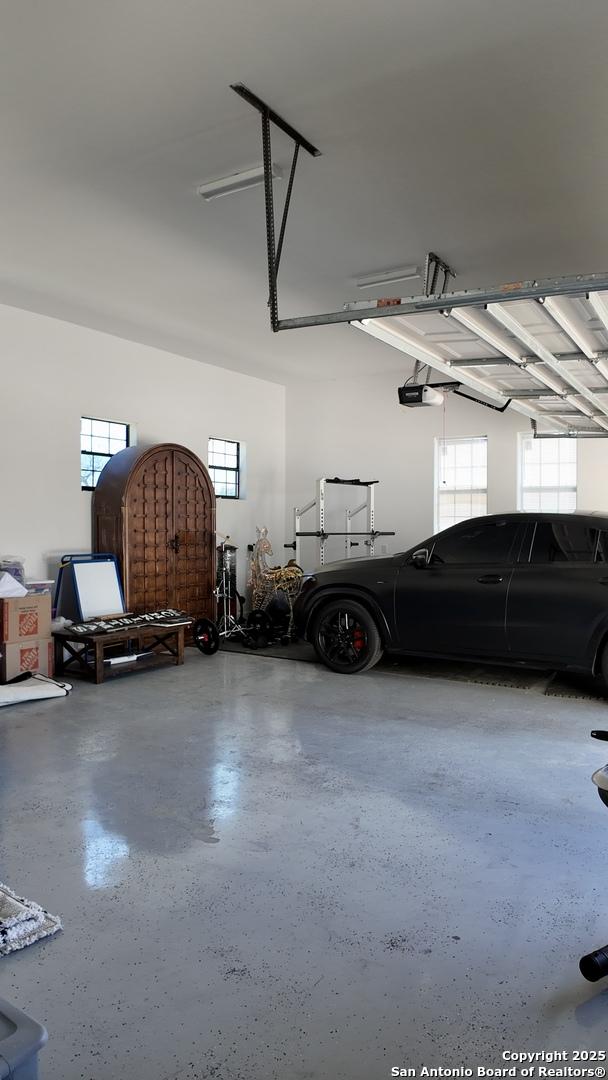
<point x="29" y="658"/>
<point x="28" y="624"/>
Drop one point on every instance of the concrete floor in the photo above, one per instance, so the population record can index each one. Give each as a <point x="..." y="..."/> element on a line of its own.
<point x="267" y="870"/>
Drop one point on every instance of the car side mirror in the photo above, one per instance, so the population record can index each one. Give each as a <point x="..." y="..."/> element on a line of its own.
<point x="420" y="558"/>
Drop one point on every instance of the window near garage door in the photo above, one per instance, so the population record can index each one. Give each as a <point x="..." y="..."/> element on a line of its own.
<point x="224" y="467"/>
<point x="99" y="441"/>
<point x="485" y="543"/>
<point x="547" y="474"/>
<point x="461" y="480"/>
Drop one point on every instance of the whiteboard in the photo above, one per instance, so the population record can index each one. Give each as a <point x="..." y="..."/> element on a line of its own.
<point x="99" y="590"/>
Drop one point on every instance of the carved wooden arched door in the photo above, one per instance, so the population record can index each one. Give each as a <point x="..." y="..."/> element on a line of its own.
<point x="155" y="509"/>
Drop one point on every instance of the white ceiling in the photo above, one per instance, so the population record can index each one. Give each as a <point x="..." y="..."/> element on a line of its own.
<point x="469" y="127"/>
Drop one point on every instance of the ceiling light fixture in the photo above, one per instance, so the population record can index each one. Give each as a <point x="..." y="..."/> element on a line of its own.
<point x="388" y="277"/>
<point x="239" y="181"/>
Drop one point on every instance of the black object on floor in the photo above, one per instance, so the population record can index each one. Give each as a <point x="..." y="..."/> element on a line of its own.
<point x="205" y="636"/>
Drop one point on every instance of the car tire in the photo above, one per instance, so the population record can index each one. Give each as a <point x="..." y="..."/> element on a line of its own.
<point x="346" y="637"/>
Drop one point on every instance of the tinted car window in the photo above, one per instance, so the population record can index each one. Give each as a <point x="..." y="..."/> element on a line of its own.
<point x="559" y="541"/>
<point x="482" y="543"/>
<point x="602" y="547"/>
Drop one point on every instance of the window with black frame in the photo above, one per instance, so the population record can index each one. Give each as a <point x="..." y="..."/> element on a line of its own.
<point x="99" y="441"/>
<point x="224" y="464"/>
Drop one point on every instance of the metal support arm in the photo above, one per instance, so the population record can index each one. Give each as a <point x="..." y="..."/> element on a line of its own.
<point x="274" y="249"/>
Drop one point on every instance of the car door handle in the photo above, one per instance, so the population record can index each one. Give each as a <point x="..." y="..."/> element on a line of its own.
<point x="603" y="581"/>
<point x="490" y="579"/>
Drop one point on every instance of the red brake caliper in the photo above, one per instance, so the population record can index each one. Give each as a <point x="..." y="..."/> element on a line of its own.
<point x="358" y="639"/>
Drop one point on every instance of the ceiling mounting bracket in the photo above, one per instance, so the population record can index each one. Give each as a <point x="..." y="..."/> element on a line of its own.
<point x="275" y="248"/>
<point x="433" y="267"/>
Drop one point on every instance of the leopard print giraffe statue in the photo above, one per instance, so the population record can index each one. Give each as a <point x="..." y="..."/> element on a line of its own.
<point x="266" y="581"/>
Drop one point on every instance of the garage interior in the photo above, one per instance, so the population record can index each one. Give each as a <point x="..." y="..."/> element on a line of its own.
<point x="264" y="868"/>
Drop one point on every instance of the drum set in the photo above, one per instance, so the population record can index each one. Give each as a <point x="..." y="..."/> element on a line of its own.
<point x="207" y="635"/>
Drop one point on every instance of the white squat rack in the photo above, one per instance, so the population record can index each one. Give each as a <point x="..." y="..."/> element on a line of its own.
<point x="318" y="504"/>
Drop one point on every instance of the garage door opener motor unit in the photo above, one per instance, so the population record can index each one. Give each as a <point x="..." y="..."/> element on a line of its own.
<point x="417" y="396"/>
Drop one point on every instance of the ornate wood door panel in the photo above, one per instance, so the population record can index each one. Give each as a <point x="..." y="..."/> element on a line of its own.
<point x="151" y="560"/>
<point x="194" y="524"/>
<point x="154" y="508"/>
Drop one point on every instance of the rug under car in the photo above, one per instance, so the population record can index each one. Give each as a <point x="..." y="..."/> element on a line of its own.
<point x="22" y="922"/>
<point x="551" y="683"/>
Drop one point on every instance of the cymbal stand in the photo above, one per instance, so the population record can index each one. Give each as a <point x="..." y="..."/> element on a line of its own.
<point x="228" y="625"/>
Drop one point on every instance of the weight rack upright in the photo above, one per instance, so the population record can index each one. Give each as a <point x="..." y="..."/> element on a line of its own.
<point x="318" y="504"/>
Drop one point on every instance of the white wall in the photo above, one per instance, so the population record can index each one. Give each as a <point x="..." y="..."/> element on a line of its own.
<point x="52" y="373"/>
<point x="357" y="428"/>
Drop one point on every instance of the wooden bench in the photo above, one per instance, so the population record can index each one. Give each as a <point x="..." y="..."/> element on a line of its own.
<point x="130" y="648"/>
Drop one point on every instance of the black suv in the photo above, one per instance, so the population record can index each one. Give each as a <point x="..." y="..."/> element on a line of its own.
<point x="515" y="588"/>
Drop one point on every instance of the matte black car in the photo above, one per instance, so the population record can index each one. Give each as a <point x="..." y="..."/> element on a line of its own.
<point x="515" y="588"/>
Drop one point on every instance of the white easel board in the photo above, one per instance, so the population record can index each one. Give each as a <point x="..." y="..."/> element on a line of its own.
<point x="88" y="587"/>
<point x="98" y="588"/>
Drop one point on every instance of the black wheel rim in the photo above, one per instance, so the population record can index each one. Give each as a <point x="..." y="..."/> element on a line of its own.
<point x="342" y="638"/>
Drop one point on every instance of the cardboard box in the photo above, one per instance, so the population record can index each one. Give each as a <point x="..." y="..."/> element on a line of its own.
<point x="30" y="655"/>
<point x="25" y="617"/>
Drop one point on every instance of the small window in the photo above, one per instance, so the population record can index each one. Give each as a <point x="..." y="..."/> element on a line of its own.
<point x="224" y="467"/>
<point x="461" y="480"/>
<point x="485" y="544"/>
<point x="99" y="441"/>
<point x="547" y="475"/>
<point x="558" y="541"/>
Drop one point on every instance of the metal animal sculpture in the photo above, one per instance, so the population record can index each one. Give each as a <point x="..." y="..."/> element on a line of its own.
<point x="266" y="581"/>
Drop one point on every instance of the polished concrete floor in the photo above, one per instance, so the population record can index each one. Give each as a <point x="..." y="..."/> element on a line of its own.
<point x="266" y="870"/>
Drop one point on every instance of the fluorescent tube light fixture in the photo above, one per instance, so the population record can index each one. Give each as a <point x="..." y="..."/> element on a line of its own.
<point x="388" y="277"/>
<point x="239" y="181"/>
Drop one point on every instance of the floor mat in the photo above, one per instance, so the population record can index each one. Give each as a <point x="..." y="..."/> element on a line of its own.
<point x="553" y="684"/>
<point x="298" y="650"/>
<point x="22" y="922"/>
<point x="585" y="688"/>
<point x="462" y="671"/>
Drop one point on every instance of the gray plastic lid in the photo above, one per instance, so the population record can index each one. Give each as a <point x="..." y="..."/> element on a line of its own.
<point x="20" y="1038"/>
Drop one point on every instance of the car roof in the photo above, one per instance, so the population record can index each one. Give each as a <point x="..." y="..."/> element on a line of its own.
<point x="599" y="518"/>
